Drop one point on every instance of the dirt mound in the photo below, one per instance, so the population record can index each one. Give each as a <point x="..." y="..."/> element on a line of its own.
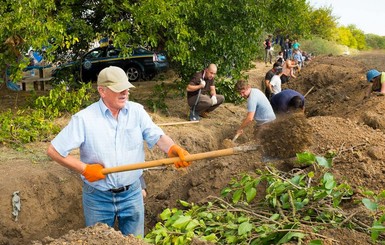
<point x="338" y="120"/>
<point x="94" y="235"/>
<point x="286" y="136"/>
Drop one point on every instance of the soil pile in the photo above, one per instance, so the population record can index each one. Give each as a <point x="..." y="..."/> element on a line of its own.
<point x="338" y="120"/>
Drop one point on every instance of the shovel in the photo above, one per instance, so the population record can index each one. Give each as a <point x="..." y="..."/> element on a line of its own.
<point x="189" y="158"/>
<point x="230" y="143"/>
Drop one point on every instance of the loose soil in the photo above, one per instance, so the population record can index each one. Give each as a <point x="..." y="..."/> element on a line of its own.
<point x="337" y="119"/>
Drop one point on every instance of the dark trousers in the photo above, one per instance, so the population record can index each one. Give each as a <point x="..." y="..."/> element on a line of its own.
<point x="205" y="103"/>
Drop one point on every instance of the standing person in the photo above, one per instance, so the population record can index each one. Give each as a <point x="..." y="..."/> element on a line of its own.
<point x="267" y="44"/>
<point x="268" y="76"/>
<point x="258" y="106"/>
<point x="110" y="133"/>
<point x="201" y="93"/>
<point x="286" y="47"/>
<point x="296" y="45"/>
<point x="287" y="101"/>
<point x="377" y="82"/>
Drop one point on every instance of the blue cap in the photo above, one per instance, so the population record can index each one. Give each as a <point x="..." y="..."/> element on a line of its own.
<point x="372" y="74"/>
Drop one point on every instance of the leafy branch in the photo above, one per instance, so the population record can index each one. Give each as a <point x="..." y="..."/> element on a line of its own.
<point x="291" y="207"/>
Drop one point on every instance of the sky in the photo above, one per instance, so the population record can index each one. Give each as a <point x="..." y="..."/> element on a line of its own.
<point x="366" y="15"/>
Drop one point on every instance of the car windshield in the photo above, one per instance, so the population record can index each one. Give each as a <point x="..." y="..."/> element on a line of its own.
<point x="94" y="54"/>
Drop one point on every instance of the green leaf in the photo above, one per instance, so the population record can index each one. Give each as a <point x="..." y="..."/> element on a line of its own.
<point x="315" y="242"/>
<point x="378" y="227"/>
<point x="244" y="228"/>
<point x="192" y="224"/>
<point x="210" y="238"/>
<point x="275" y="217"/>
<point x="306" y="158"/>
<point x="369" y="204"/>
<point x="330" y="184"/>
<point x="250" y="194"/>
<point x="288" y="236"/>
<point x="166" y="214"/>
<point x="231" y="239"/>
<point x="323" y="162"/>
<point x="310" y="174"/>
<point x="237" y="196"/>
<point x="181" y="222"/>
<point x="295" y="180"/>
<point x="225" y="191"/>
<point x="184" y="203"/>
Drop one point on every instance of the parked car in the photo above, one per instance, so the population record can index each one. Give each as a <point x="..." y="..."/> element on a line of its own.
<point x="141" y="64"/>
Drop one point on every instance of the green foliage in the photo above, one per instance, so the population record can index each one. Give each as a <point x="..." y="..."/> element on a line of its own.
<point x="226" y="87"/>
<point x="157" y="98"/>
<point x="319" y="46"/>
<point x="240" y="218"/>
<point x="375" y="204"/>
<point x="25" y="126"/>
<point x="323" y="23"/>
<point x="60" y="100"/>
<point x="29" y="125"/>
<point x="375" y="42"/>
<point x="196" y="34"/>
<point x="351" y="37"/>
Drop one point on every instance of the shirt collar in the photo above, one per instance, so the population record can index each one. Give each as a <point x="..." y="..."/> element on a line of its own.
<point x="104" y="109"/>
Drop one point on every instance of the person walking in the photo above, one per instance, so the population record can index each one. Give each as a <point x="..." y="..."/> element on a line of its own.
<point x="202" y="97"/>
<point x="258" y="106"/>
<point x="110" y="133"/>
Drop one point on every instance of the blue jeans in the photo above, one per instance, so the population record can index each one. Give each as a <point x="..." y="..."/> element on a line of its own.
<point x="105" y="207"/>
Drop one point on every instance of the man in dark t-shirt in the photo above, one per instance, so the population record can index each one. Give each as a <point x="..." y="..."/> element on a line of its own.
<point x="268" y="77"/>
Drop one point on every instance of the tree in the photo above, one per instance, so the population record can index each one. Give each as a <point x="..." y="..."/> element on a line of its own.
<point x="194" y="33"/>
<point x="374" y="41"/>
<point x="359" y="36"/>
<point x="323" y="23"/>
<point x="27" y="24"/>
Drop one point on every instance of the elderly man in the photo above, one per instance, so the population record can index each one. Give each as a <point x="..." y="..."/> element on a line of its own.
<point x="201" y="93"/>
<point x="111" y="133"/>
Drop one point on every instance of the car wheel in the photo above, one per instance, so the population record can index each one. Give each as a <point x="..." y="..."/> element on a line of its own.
<point x="133" y="74"/>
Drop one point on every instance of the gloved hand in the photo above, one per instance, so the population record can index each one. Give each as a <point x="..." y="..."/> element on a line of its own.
<point x="203" y="83"/>
<point x="93" y="172"/>
<point x="214" y="100"/>
<point x="177" y="151"/>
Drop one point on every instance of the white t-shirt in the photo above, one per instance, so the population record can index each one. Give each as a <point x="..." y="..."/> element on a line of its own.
<point x="275" y="84"/>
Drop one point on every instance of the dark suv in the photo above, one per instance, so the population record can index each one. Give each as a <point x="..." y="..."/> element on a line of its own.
<point x="141" y="64"/>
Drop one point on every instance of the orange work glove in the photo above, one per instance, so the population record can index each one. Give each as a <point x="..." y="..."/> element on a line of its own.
<point x="177" y="151"/>
<point x="93" y="172"/>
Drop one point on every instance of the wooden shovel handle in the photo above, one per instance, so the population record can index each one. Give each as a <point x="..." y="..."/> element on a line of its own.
<point x="189" y="158"/>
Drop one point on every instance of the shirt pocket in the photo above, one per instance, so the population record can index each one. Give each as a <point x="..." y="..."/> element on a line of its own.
<point x="133" y="138"/>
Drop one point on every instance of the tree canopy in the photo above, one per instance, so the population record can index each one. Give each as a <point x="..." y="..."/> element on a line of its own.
<point x="194" y="33"/>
